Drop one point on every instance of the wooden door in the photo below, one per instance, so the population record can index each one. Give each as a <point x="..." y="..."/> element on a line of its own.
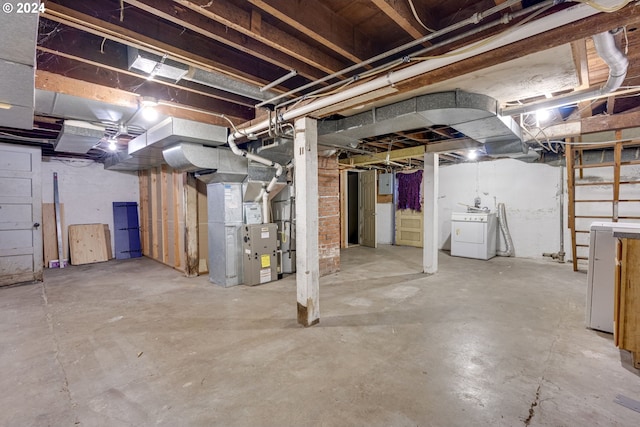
<point x="20" y="214"/>
<point x="409" y="228"/>
<point x="368" y="191"/>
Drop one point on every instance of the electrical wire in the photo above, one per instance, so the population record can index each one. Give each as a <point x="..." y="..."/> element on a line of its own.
<point x="486" y="41"/>
<point x="606" y="9"/>
<point x="415" y="15"/>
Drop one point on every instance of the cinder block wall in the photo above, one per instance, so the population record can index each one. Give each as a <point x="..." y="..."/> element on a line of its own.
<point x="329" y="215"/>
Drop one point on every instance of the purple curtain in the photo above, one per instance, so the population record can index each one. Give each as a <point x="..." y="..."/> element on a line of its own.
<point x="409" y="190"/>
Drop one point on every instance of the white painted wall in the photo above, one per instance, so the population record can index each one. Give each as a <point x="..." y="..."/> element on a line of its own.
<point x="528" y="190"/>
<point x="385" y="223"/>
<point x="87" y="190"/>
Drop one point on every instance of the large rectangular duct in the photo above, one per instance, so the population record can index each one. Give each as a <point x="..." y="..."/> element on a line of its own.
<point x="78" y="137"/>
<point x="145" y="151"/>
<point x="210" y="164"/>
<point x="17" y="68"/>
<point x="475" y="115"/>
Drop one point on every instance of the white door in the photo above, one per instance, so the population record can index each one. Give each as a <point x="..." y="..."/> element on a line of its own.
<point x="20" y="214"/>
<point x="368" y="191"/>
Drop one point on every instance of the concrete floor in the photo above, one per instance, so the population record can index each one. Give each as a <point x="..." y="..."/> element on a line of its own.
<point x="482" y="343"/>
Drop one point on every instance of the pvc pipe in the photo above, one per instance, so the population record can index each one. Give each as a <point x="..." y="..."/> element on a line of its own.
<point x="474" y="19"/>
<point x="563" y="17"/>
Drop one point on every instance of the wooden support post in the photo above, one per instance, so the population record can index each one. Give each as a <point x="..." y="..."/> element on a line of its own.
<point x="144" y="211"/>
<point x="617" y="160"/>
<point x="164" y="212"/>
<point x="175" y="185"/>
<point x="430" y="210"/>
<point x="306" y="179"/>
<point x="191" y="226"/>
<point x="571" y="210"/>
<point x="155" y="248"/>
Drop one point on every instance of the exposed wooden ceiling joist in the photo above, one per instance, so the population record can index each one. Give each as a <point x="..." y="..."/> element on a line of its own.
<point x="321" y="24"/>
<point x="251" y="24"/>
<point x="400" y="12"/>
<point x="147" y="34"/>
<point x="209" y="28"/>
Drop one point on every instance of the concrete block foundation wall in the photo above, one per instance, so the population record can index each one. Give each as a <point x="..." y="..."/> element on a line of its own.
<point x="328" y="215"/>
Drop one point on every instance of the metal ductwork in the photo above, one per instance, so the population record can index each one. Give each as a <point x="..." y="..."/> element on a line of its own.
<point x="618" y="64"/>
<point x="17" y="68"/>
<point x="474" y="115"/>
<point x="145" y="150"/>
<point x="209" y="164"/>
<point x="153" y="65"/>
<point x="78" y="137"/>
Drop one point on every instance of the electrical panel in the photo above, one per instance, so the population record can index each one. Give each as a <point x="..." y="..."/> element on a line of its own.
<point x="385" y="183"/>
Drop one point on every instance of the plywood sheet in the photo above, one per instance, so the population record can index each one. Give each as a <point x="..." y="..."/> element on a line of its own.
<point x="49" y="237"/>
<point x="107" y="239"/>
<point x="87" y="244"/>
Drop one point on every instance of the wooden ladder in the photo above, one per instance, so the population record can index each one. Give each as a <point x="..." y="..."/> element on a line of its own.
<point x="579" y="222"/>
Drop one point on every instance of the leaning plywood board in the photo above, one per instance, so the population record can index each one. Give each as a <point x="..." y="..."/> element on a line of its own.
<point x="107" y="238"/>
<point x="87" y="243"/>
<point x="49" y="237"/>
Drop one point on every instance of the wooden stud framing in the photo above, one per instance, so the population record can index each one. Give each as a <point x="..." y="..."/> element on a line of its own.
<point x="164" y="212"/>
<point x="155" y="248"/>
<point x="191" y="225"/>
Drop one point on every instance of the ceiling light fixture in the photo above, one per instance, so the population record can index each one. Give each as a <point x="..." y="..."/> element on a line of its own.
<point x="148" y="105"/>
<point x="472" y="154"/>
<point x="543" y="115"/>
<point x="112" y="144"/>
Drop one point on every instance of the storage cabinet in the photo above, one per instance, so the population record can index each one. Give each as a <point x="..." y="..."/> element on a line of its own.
<point x="627" y="294"/>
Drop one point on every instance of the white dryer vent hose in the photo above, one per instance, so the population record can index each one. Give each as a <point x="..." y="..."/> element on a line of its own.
<point x="502" y="221"/>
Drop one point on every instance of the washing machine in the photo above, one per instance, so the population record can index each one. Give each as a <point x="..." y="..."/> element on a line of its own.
<point x="474" y="234"/>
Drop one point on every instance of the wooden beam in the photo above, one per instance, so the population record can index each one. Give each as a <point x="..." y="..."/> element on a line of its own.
<point x="233" y="106"/>
<point x="579" y="51"/>
<point x="110" y="55"/>
<point x="308" y="62"/>
<point x="249" y="24"/>
<point x="66" y="85"/>
<point x="315" y="20"/>
<point x="629" y="15"/>
<point x="403" y="153"/>
<point x="416" y="152"/>
<point x="400" y="13"/>
<point x="602" y="123"/>
<point x="165" y="40"/>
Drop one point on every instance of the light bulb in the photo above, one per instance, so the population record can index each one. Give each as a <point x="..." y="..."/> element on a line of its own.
<point x="472" y="154"/>
<point x="149" y="113"/>
<point x="112" y="145"/>
<point x="543" y="115"/>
